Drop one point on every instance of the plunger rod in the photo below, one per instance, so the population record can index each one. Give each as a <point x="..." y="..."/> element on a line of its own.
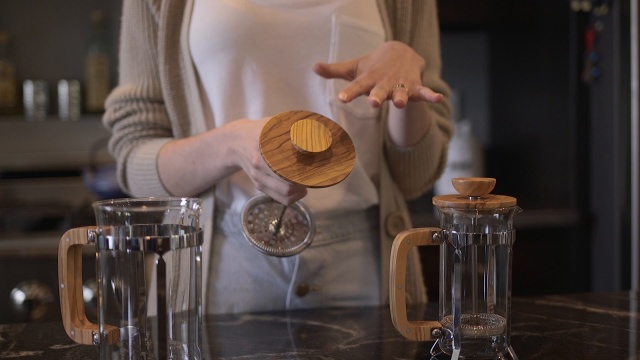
<point x="276" y="230"/>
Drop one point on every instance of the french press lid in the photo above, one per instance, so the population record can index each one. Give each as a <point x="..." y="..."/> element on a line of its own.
<point x="307" y="148"/>
<point x="304" y="148"/>
<point x="474" y="193"/>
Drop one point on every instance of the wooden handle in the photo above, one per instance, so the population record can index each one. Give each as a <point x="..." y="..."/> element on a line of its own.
<point x="473" y="186"/>
<point x="310" y="136"/>
<point x="74" y="318"/>
<point x="404" y="241"/>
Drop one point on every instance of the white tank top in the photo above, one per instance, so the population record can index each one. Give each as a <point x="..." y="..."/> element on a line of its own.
<point x="254" y="59"/>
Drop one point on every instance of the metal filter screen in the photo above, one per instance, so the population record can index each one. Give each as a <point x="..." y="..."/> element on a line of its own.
<point x="260" y="222"/>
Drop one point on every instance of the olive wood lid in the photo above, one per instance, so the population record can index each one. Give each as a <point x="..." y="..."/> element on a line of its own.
<point x="307" y="148"/>
<point x="474" y="193"/>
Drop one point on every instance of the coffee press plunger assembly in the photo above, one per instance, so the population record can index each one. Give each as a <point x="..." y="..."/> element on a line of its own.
<point x="304" y="148"/>
<point x="475" y="237"/>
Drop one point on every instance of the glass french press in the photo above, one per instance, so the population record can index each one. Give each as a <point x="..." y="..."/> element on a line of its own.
<point x="149" y="275"/>
<point x="476" y="235"/>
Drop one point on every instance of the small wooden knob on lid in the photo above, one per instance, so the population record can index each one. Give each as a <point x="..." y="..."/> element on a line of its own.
<point x="310" y="136"/>
<point x="474" y="193"/>
<point x="473" y="186"/>
<point x="307" y="148"/>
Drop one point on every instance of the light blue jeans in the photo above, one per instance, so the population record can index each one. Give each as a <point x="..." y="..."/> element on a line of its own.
<point x="340" y="268"/>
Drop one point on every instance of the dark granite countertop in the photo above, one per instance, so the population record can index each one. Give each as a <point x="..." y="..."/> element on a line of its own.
<point x="578" y="326"/>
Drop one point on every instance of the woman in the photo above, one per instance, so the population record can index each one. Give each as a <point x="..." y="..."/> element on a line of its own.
<point x="198" y="80"/>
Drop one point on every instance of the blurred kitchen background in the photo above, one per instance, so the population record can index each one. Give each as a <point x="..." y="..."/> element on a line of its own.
<point x="546" y="102"/>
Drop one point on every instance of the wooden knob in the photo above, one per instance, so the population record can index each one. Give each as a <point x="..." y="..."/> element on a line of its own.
<point x="310" y="136"/>
<point x="473" y="186"/>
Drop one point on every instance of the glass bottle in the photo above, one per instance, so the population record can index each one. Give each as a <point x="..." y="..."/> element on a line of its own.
<point x="8" y="82"/>
<point x="97" y="64"/>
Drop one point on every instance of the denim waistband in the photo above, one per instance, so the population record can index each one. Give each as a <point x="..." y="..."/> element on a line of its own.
<point x="329" y="226"/>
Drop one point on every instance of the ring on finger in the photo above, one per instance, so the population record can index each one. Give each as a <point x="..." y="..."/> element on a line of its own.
<point x="399" y="86"/>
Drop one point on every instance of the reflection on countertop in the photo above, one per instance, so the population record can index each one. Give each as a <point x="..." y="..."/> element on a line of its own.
<point x="578" y="326"/>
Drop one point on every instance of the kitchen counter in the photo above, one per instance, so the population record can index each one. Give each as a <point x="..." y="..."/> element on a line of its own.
<point x="577" y="326"/>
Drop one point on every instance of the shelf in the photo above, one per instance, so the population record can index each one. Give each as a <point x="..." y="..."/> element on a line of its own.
<point x="52" y="144"/>
<point x="13" y="119"/>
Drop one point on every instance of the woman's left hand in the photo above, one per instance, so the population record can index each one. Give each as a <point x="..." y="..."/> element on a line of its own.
<point x="391" y="72"/>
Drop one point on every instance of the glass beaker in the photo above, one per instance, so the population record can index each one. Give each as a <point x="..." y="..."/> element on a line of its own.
<point x="148" y="269"/>
<point x="476" y="236"/>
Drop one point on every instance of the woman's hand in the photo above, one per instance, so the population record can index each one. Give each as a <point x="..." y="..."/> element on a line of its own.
<point x="381" y="75"/>
<point x="246" y="150"/>
<point x="213" y="155"/>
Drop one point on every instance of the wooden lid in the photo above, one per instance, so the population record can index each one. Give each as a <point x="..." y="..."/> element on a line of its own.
<point x="307" y="148"/>
<point x="474" y="193"/>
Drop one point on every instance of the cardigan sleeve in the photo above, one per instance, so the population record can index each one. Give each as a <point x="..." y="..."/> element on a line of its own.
<point x="416" y="169"/>
<point x="135" y="112"/>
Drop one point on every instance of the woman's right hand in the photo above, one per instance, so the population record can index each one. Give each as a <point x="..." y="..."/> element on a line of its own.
<point x="191" y="165"/>
<point x="246" y="151"/>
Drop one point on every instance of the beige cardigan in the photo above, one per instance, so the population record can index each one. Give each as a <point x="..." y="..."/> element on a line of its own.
<point x="158" y="99"/>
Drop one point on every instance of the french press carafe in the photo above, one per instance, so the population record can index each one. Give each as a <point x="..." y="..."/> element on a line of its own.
<point x="149" y="274"/>
<point x="475" y="236"/>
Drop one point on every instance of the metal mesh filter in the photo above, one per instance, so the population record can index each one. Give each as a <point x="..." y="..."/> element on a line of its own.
<point x="260" y="222"/>
<point x="477" y="325"/>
